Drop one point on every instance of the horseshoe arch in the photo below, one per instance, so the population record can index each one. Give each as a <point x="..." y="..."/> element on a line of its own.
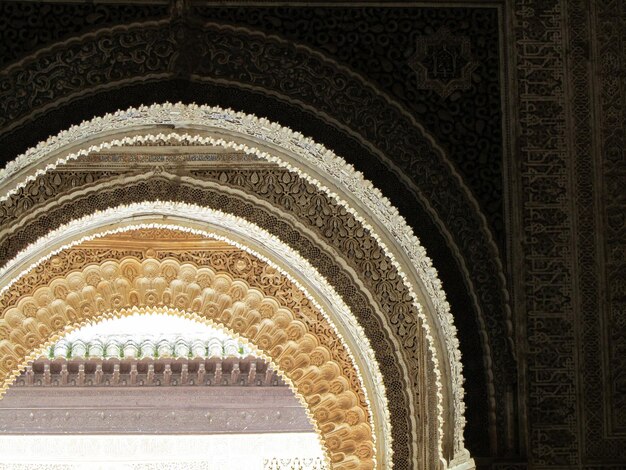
<point x="316" y="165"/>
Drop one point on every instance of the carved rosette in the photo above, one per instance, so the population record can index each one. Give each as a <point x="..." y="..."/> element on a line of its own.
<point x="443" y="62"/>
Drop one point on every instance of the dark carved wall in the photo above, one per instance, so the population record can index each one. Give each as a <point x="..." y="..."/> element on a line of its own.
<point x="497" y="129"/>
<point x="570" y="199"/>
<point x="383" y="45"/>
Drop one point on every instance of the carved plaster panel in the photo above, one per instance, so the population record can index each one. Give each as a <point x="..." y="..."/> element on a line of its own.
<point x="379" y="210"/>
<point x="293" y="261"/>
<point x="380" y="124"/>
<point x="570" y="60"/>
<point x="113" y="287"/>
<point x="600" y="165"/>
<point x="443" y="62"/>
<point x="99" y="193"/>
<point x="236" y="263"/>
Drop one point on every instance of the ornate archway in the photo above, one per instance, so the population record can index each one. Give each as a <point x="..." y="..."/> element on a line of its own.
<point x="285" y="328"/>
<point x="349" y="232"/>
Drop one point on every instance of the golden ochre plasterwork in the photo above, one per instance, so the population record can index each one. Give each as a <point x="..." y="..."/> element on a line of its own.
<point x="229" y="229"/>
<point x="198" y="251"/>
<point x="284" y="335"/>
<point x="311" y="161"/>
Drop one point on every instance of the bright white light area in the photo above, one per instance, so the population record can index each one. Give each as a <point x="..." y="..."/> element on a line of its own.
<point x="156" y="334"/>
<point x="153" y="324"/>
<point x="94" y="452"/>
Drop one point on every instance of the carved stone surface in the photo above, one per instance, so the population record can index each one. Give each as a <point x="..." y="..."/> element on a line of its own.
<point x="268" y="279"/>
<point x="470" y="127"/>
<point x="392" y="131"/>
<point x="611" y="64"/>
<point x="115" y="286"/>
<point x="310" y="152"/>
<point x="602" y="225"/>
<point x="567" y="180"/>
<point x="547" y="227"/>
<point x="25" y="27"/>
<point x="572" y="186"/>
<point x="236" y="263"/>
<point x="378" y="42"/>
<point x="151" y="410"/>
<point x="322" y="219"/>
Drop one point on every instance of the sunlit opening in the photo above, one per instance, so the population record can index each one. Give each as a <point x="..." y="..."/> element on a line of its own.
<point x="154" y="391"/>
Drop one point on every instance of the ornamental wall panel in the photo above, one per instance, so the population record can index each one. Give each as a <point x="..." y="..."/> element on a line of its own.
<point x="390" y="133"/>
<point x="558" y="383"/>
<point x="103" y="194"/>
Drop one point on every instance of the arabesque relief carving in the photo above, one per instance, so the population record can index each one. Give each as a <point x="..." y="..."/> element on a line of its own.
<point x="116" y="287"/>
<point x="287" y="191"/>
<point x="443" y="62"/>
<point x="221" y="257"/>
<point x="376" y="121"/>
<point x="560" y="74"/>
<point x="377" y="267"/>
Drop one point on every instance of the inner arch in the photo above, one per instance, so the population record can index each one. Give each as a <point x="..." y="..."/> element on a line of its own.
<point x="237" y="233"/>
<point x="94" y="290"/>
<point x="171" y="340"/>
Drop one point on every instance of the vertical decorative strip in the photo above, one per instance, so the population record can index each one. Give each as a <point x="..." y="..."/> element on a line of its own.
<point x="548" y="239"/>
